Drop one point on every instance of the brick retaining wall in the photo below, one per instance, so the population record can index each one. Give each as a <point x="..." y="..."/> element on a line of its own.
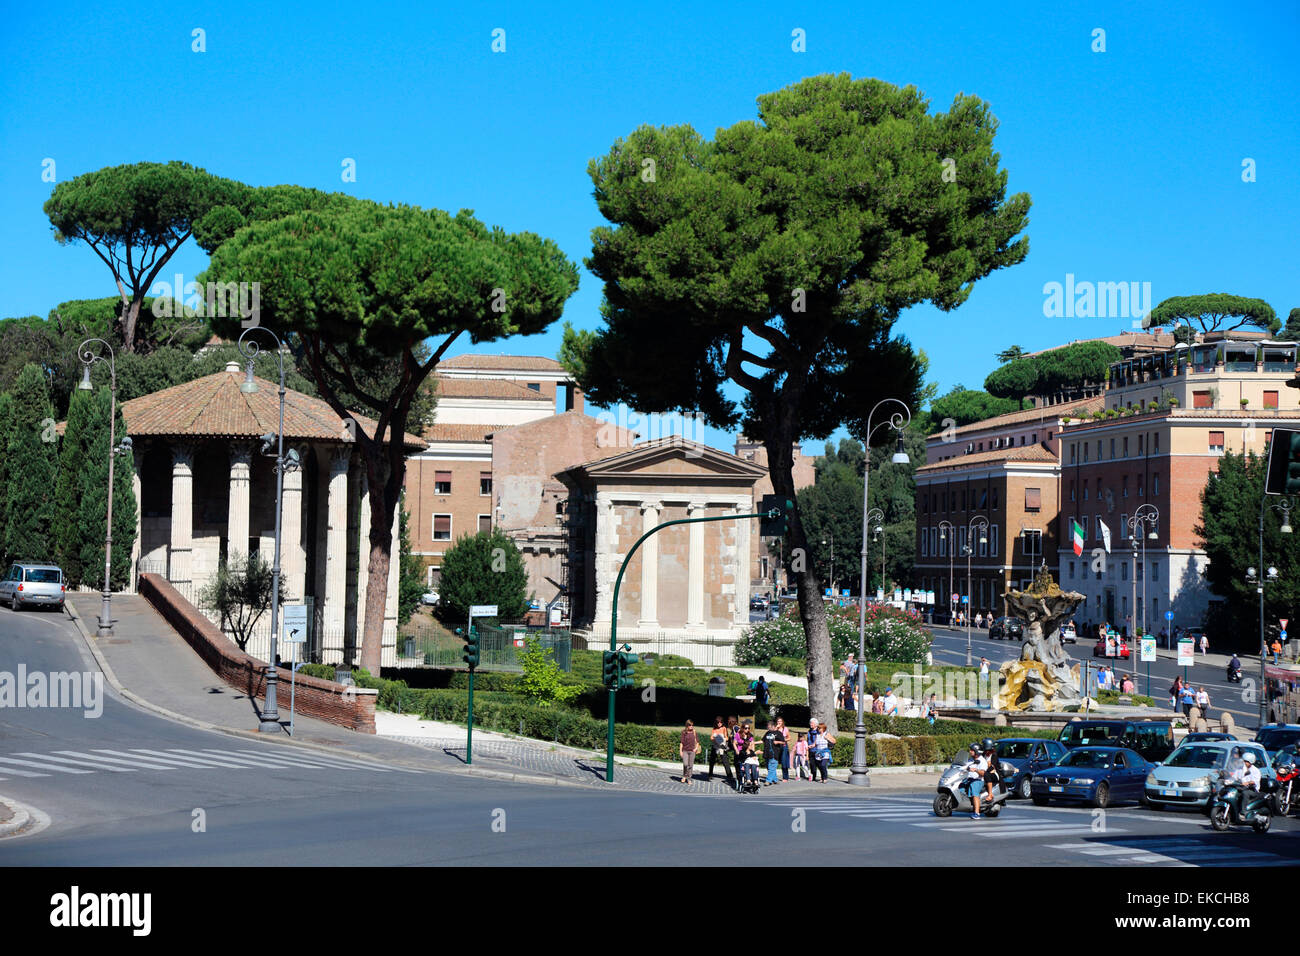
<point x="351" y="707"/>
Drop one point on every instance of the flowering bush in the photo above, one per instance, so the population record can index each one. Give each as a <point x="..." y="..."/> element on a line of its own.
<point x="889" y="635"/>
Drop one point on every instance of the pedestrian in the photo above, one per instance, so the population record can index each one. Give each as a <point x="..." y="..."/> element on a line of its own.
<point x="785" y="748"/>
<point x="771" y="756"/>
<point x="930" y="711"/>
<point x="801" y="757"/>
<point x="1127" y="686"/>
<point x="751" y="761"/>
<point x="889" y="706"/>
<point x="761" y="697"/>
<point x="738" y="743"/>
<point x="1188" y="699"/>
<point x="688" y="748"/>
<point x="1205" y="645"/>
<point x="1203" y="701"/>
<point x="720" y="749"/>
<point x="813" y="745"/>
<point x="877" y="705"/>
<point x="823" y="754"/>
<point x="849" y="669"/>
<point x="846" y="698"/>
<point x="984" y="667"/>
<point x="979" y="619"/>
<point x="1164" y="638"/>
<point x="1276" y="648"/>
<point x="1175" y="692"/>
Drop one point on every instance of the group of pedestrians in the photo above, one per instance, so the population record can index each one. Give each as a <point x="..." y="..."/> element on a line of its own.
<point x="733" y="745"/>
<point x="1183" y="696"/>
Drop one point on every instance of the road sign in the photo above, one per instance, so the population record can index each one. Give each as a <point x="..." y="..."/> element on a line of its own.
<point x="880" y="596"/>
<point x="1169" y="615"/>
<point x="483" y="610"/>
<point x="1282" y="636"/>
<point x="1148" y="649"/>
<point x="1186" y="651"/>
<point x="907" y="596"/>
<point x="965" y="599"/>
<point x="1283" y="620"/>
<point x="954" y="598"/>
<point x="929" y="597"/>
<point x="294" y="628"/>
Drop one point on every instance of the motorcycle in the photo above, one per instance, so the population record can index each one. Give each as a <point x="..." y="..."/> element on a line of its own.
<point x="1236" y="804"/>
<point x="952" y="794"/>
<point x="1234" y="674"/>
<point x="1286" y="797"/>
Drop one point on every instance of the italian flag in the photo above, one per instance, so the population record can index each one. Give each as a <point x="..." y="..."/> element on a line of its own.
<point x="1076" y="537"/>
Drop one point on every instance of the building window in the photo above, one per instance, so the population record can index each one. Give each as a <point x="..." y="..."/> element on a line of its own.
<point x="1072" y="454"/>
<point x="1072" y="492"/>
<point x="1155" y="439"/>
<point x="485" y="482"/>
<point x="1071" y="570"/>
<point x="984" y="547"/>
<point x="1270" y="400"/>
<point x="994" y="503"/>
<point x="993" y="540"/>
<point x="435" y="575"/>
<point x="1216" y="443"/>
<point x="1201" y="399"/>
<point x="1112" y="449"/>
<point x="943" y="543"/>
<point x="1124" y="530"/>
<point x="1085" y="491"/>
<point x="925" y="544"/>
<point x="535" y="386"/>
<point x="1155" y="484"/>
<point x="1140" y="570"/>
<point x="1125" y="446"/>
<point x="1155" y="610"/>
<point x="1098" y="529"/>
<point x="1123" y="484"/>
<point x="442" y="527"/>
<point x="1085" y="453"/>
<point x="485" y="523"/>
<point x="1141" y="442"/>
<point x="762" y="568"/>
<point x="1083" y="525"/>
<point x="1155" y="571"/>
<point x="1099" y="455"/>
<point x="1139" y="486"/>
<point x="1123" y="570"/>
<point x="442" y="483"/>
<point x="984" y="497"/>
<point x="1033" y="499"/>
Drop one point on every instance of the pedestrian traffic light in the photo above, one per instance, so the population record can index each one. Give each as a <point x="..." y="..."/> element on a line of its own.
<point x="625" y="662"/>
<point x="775" y="511"/>
<point x="610" y="670"/>
<point x="1283" y="463"/>
<point x="471" y="648"/>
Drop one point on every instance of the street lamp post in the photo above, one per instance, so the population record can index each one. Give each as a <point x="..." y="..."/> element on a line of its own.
<point x="878" y="515"/>
<point x="983" y="524"/>
<point x="89" y="358"/>
<point x="270" y="722"/>
<point x="948" y="532"/>
<point x="1284" y="506"/>
<point x="899" y="421"/>
<point x="1142" y="525"/>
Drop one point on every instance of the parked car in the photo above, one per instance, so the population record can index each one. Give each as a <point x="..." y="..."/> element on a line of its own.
<point x="429" y="597"/>
<point x="1203" y="735"/>
<point x="1010" y="628"/>
<point x="1068" y="634"/>
<point x="1275" y="737"/>
<point x="1189" y="777"/>
<point x="758" y="602"/>
<point x="1019" y="758"/>
<point x="1100" y="776"/>
<point x="33" y="585"/>
<point x="1153" y="739"/>
<point x="1121" y="648"/>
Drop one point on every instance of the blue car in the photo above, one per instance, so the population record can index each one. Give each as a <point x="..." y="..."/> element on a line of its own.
<point x="1099" y="776"/>
<point x="1019" y="758"/>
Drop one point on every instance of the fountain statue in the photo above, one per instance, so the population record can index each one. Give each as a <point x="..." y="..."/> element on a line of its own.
<point x="1044" y="678"/>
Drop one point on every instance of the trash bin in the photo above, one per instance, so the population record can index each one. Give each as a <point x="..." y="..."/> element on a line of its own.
<point x="717" y="687"/>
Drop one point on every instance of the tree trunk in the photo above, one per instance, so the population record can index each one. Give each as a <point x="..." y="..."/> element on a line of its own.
<point x="812" y="613"/>
<point x="129" y="321"/>
<point x="380" y="556"/>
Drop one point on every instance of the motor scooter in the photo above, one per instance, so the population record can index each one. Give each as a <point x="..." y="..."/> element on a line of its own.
<point x="1286" y="795"/>
<point x="1234" y="674"/>
<point x="1237" y="804"/>
<point x="952" y="794"/>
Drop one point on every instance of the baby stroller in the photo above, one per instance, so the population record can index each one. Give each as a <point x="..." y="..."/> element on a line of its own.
<point x="747" y="778"/>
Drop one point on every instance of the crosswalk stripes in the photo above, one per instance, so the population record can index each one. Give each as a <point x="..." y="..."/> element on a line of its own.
<point x="1188" y="851"/>
<point x="107" y="760"/>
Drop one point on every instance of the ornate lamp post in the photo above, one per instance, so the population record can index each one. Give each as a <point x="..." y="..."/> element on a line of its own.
<point x="270" y="715"/>
<point x="89" y="358"/>
<point x="981" y="522"/>
<point x="898" y="421"/>
<point x="948" y="534"/>
<point x="1282" y="505"/>
<point x="1147" y="515"/>
<point x="878" y="534"/>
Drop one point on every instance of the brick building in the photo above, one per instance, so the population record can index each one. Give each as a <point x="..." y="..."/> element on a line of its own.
<point x="1171" y="415"/>
<point x="1005" y="469"/>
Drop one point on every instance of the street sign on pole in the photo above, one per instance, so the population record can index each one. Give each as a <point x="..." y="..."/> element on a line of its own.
<point x="1186" y="651"/>
<point x="1169" y="615"/>
<point x="294" y="627"/>
<point x="1148" y="649"/>
<point x="482" y="610"/>
<point x="1283" y="620"/>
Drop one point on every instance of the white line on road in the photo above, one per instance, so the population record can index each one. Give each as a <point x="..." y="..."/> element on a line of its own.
<point x="39" y="766"/>
<point x="78" y="763"/>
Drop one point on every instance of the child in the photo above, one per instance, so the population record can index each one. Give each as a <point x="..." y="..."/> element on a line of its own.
<point x="801" y="758"/>
<point x="751" y="764"/>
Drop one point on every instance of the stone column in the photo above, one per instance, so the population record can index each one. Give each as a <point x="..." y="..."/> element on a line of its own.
<point x="182" y="518"/>
<point x="394" y="566"/>
<point x="363" y="554"/>
<point x="137" y="458"/>
<point x="606" y="558"/>
<point x="695" y="570"/>
<point x="335" y="557"/>
<point x="293" y="556"/>
<point x="740" y="613"/>
<point x="241" y="474"/>
<point x="650" y="567"/>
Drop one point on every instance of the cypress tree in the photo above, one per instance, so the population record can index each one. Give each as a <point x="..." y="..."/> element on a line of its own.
<point x="92" y="511"/>
<point x="33" y="464"/>
<point x="67" y="490"/>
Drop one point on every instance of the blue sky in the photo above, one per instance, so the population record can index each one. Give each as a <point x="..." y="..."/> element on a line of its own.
<point x="1133" y="156"/>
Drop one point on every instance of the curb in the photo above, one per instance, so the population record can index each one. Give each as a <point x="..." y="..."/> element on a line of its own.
<point x="286" y="741"/>
<point x="26" y="821"/>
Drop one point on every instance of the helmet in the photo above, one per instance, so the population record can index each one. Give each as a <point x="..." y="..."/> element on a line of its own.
<point x="986" y="743"/>
<point x="1248" y="756"/>
<point x="1284" y="762"/>
<point x="974" y="747"/>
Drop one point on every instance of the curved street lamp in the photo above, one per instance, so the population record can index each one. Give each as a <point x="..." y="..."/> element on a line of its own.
<point x="948" y="534"/>
<point x="983" y="524"/>
<point x="88" y="358"/>
<point x="1146" y="515"/>
<point x="898" y="421"/>
<point x="270" y="722"/>
<point x="877" y="516"/>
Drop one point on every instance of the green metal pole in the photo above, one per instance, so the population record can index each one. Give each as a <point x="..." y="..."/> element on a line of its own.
<point x="613" y="619"/>
<point x="469" y="730"/>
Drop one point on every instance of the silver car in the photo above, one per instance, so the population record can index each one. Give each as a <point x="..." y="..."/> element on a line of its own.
<point x="32" y="585"/>
<point x="1189" y="776"/>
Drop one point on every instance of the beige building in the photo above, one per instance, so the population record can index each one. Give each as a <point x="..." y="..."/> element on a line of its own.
<point x="687" y="585"/>
<point x="205" y="490"/>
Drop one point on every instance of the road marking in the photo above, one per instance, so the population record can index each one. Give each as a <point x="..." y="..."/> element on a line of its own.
<point x="164" y="760"/>
<point x="39" y="766"/>
<point x="77" y="763"/>
<point x="137" y="763"/>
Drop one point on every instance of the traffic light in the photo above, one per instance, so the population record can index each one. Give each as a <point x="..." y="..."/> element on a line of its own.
<point x="471" y="648"/>
<point x="775" y="511"/>
<point x="610" y="670"/>
<point x="1283" y="463"/>
<point x="625" y="662"/>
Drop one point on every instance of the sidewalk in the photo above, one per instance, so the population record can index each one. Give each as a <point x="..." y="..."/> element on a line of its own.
<point x="150" y="665"/>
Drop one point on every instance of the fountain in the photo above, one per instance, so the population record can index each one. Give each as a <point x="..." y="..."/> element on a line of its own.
<point x="1044" y="678"/>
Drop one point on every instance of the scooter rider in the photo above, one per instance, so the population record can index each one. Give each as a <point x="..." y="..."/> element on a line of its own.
<point x="1234" y="668"/>
<point x="975" y="770"/>
<point x="991" y="776"/>
<point x="1248" y="775"/>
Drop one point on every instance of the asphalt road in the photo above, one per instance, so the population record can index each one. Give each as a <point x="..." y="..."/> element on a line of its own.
<point x="123" y="789"/>
<point x="949" y="647"/>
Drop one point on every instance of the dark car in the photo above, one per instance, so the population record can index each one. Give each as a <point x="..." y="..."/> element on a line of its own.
<point x="1019" y="758"/>
<point x="1010" y="628"/>
<point x="1153" y="739"/>
<point x="1201" y="736"/>
<point x="1276" y="737"/>
<point x="1100" y="776"/>
<point x="758" y="602"/>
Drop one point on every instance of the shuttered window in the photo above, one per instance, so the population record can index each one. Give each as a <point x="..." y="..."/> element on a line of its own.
<point x="442" y="527"/>
<point x="1201" y="399"/>
<point x="1033" y="499"/>
<point x="1216" y="443"/>
<point x="442" y="482"/>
